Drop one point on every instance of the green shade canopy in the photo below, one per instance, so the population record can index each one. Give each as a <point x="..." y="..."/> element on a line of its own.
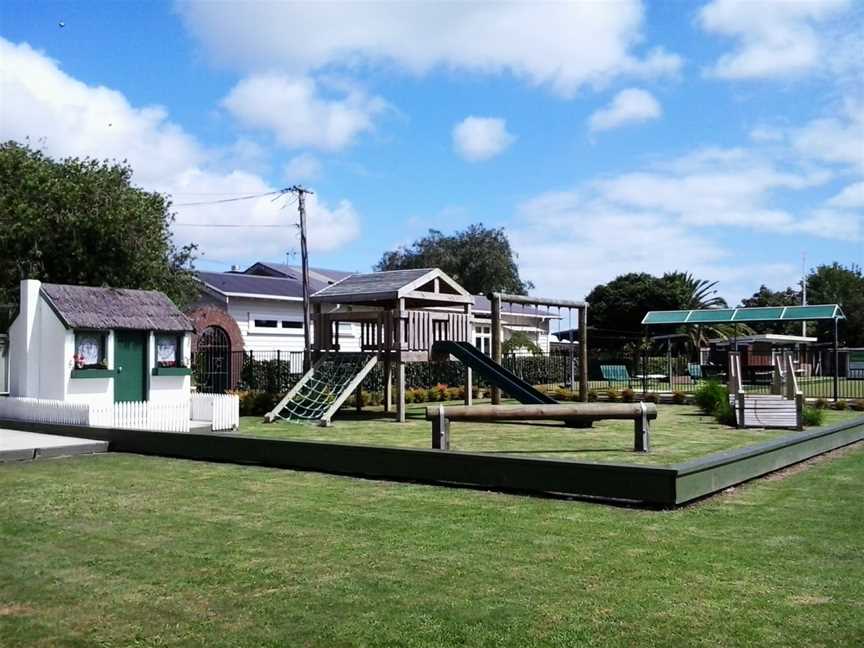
<point x="732" y="315"/>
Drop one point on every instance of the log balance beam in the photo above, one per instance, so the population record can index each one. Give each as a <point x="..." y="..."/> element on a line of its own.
<point x="576" y="414"/>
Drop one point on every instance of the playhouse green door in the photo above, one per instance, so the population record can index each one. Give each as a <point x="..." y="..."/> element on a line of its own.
<point x="130" y="363"/>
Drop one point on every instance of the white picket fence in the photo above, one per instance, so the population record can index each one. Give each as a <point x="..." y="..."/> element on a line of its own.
<point x="222" y="410"/>
<point x="41" y="410"/>
<point x="144" y="415"/>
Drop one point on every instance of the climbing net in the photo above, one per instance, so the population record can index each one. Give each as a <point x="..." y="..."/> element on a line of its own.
<point x="328" y="381"/>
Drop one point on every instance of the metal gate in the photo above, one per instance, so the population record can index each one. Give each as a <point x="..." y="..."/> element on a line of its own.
<point x="213" y="361"/>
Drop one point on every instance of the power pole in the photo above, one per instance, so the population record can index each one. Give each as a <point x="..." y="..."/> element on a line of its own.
<point x="304" y="256"/>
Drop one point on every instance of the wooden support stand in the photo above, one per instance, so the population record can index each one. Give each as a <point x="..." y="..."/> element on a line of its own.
<point x="440" y="431"/>
<point x="572" y="414"/>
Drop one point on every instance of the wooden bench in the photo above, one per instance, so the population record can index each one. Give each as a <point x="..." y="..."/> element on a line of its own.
<point x="571" y="413"/>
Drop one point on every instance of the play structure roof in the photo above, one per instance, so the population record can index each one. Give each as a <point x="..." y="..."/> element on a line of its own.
<point x="745" y="315"/>
<point x="86" y="307"/>
<point x="431" y="286"/>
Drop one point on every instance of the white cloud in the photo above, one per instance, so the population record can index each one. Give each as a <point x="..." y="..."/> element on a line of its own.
<point x="299" y="114"/>
<point x="569" y="243"/>
<point x="774" y="39"/>
<point x="563" y="46"/>
<point x="835" y="139"/>
<point x="302" y="167"/>
<point x="630" y="106"/>
<point x="667" y="216"/>
<point x="65" y="117"/>
<point x="852" y="196"/>
<point x="480" y="138"/>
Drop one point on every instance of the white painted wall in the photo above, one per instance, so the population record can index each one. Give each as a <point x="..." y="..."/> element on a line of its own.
<point x="168" y="389"/>
<point x="95" y="391"/>
<point x="246" y="310"/>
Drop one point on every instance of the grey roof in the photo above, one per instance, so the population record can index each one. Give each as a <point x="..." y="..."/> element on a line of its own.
<point x="377" y="287"/>
<point x="237" y="283"/>
<point x="322" y="275"/>
<point x="86" y="307"/>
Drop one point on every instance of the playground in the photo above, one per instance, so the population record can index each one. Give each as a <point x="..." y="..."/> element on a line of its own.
<point x="680" y="433"/>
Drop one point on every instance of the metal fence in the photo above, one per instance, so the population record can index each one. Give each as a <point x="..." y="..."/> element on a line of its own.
<point x="277" y="371"/>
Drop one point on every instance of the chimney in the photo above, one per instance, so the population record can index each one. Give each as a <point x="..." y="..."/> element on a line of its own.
<point x="28" y="342"/>
<point x="235" y="268"/>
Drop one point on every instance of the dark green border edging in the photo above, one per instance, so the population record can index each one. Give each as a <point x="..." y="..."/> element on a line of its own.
<point x="171" y="371"/>
<point x="655" y="485"/>
<point x="92" y="373"/>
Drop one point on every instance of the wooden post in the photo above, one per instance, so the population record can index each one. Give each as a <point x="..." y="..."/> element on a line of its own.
<point x="388" y="383"/>
<point x="358" y="398"/>
<point x="469" y="374"/>
<point x="583" y="354"/>
<point x="400" y="364"/>
<point x="440" y="431"/>
<point x="641" y="430"/>
<point x="836" y="362"/>
<point x="495" y="301"/>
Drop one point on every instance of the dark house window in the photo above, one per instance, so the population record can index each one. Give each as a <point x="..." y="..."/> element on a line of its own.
<point x="169" y="349"/>
<point x="90" y="350"/>
<point x="289" y="324"/>
<point x="268" y="323"/>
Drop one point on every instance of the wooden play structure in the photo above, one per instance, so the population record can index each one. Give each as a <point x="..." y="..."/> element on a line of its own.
<point x="575" y="414"/>
<point x="580" y="307"/>
<point x="402" y="314"/>
<point x="783" y="407"/>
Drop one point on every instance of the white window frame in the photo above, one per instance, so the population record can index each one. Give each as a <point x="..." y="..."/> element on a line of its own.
<point x="277" y="330"/>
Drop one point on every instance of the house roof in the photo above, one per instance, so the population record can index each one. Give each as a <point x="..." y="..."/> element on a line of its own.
<point x="87" y="307"/>
<point x="235" y="284"/>
<point x="427" y="285"/>
<point x="483" y="305"/>
<point x="323" y="276"/>
<point x="755" y="314"/>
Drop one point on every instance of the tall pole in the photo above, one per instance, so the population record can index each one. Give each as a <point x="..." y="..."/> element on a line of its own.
<point x="837" y="361"/>
<point x="304" y="259"/>
<point x="495" y="302"/>
<point x="804" y="290"/>
<point x="583" y="353"/>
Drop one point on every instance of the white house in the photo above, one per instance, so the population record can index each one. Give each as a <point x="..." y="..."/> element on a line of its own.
<point x="98" y="346"/>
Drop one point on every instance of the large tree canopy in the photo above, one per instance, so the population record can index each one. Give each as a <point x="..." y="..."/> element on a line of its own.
<point x="837" y="284"/>
<point x="80" y="221"/>
<point x="619" y="306"/>
<point x="479" y="258"/>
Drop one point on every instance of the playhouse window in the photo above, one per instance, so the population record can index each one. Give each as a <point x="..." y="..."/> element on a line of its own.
<point x="90" y="350"/>
<point x="168" y="350"/>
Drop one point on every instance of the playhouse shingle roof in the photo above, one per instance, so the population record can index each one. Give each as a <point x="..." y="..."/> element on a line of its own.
<point x="87" y="307"/>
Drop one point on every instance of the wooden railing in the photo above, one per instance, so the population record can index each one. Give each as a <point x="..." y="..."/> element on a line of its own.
<point x="413" y="331"/>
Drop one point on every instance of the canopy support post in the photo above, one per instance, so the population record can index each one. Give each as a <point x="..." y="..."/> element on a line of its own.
<point x="836" y="361"/>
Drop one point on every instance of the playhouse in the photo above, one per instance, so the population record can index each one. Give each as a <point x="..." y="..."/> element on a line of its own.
<point x="98" y="346"/>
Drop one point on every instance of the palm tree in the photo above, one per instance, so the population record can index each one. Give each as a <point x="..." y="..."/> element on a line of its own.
<point x="699" y="294"/>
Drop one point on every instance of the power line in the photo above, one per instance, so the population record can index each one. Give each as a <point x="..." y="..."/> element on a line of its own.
<point x="229" y="200"/>
<point x="228" y="225"/>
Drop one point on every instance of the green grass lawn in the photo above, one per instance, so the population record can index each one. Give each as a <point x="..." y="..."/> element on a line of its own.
<point x="123" y="550"/>
<point x="680" y="432"/>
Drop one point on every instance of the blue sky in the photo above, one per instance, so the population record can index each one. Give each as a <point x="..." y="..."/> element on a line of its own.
<point x="723" y="138"/>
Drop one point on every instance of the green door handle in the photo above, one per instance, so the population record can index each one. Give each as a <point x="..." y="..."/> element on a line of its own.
<point x="119" y="369"/>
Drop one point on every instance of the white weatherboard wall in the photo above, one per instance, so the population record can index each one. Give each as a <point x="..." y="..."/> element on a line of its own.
<point x="246" y="310"/>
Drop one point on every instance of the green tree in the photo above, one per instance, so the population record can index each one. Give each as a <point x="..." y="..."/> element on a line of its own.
<point x="80" y="221"/>
<point x="838" y="284"/>
<point x="479" y="258"/>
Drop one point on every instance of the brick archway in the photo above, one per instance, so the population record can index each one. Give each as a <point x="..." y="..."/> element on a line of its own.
<point x="209" y="316"/>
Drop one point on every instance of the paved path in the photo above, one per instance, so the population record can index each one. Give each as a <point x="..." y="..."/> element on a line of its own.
<point x="16" y="445"/>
